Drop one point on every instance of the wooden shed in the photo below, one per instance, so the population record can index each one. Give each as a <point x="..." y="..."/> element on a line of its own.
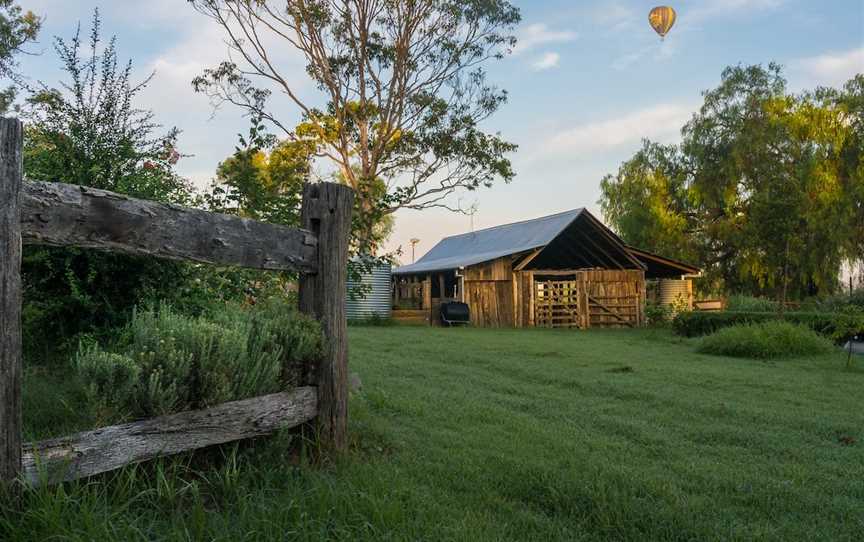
<point x="562" y="270"/>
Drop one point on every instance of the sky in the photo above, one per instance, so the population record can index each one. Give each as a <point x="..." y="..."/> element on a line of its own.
<point x="587" y="81"/>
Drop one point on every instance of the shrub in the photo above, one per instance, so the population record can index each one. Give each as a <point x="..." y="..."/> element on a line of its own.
<point x="746" y="303"/>
<point x="373" y="320"/>
<point x="167" y="362"/>
<point x="91" y="131"/>
<point x="657" y="315"/>
<point x="836" y="303"/>
<point x="276" y="324"/>
<point x="767" y="340"/>
<point x="111" y="378"/>
<point x="835" y="326"/>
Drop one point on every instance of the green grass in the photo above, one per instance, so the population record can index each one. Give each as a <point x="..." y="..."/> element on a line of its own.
<point x="464" y="434"/>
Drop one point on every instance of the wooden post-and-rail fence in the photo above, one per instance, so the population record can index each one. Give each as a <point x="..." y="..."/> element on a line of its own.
<point x="66" y="215"/>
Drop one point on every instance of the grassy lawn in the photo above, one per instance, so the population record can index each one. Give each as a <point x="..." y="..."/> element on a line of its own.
<point x="464" y="434"/>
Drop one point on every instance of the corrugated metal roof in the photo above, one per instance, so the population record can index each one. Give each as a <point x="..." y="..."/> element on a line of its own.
<point x="485" y="245"/>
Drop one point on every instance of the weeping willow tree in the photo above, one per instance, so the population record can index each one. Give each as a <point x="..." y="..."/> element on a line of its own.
<point x="764" y="191"/>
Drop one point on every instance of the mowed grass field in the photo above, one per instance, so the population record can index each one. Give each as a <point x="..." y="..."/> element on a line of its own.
<point x="470" y="434"/>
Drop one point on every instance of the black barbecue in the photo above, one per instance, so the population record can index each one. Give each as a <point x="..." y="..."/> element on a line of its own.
<point x="454" y="313"/>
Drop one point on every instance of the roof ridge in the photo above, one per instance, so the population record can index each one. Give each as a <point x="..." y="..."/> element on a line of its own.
<point x="579" y="209"/>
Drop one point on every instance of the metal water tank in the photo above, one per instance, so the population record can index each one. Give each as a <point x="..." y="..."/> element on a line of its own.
<point x="674" y="291"/>
<point x="374" y="297"/>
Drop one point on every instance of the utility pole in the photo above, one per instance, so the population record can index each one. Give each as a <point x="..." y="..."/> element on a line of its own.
<point x="413" y="242"/>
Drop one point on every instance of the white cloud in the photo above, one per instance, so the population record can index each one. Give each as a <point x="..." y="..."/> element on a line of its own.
<point x="547" y="61"/>
<point x="534" y="35"/>
<point x="615" y="16"/>
<point x="663" y="51"/>
<point x="661" y="123"/>
<point x="207" y="135"/>
<point x="624" y="62"/>
<point x="711" y="8"/>
<point x="830" y="69"/>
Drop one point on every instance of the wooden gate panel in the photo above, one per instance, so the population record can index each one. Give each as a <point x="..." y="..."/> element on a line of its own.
<point x="593" y="298"/>
<point x="614" y="297"/>
<point x="559" y="304"/>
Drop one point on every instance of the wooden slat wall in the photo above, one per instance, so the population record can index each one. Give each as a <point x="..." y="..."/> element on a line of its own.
<point x="489" y="293"/>
<point x="523" y="298"/>
<point x="600" y="297"/>
<point x="620" y="291"/>
<point x="584" y="298"/>
<point x="499" y="269"/>
<point x="490" y="302"/>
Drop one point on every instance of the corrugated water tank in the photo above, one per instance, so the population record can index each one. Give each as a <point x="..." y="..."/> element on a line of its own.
<point x="675" y="292"/>
<point x="371" y="294"/>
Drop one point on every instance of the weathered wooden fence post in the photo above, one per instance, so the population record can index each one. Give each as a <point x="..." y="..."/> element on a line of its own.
<point x="326" y="212"/>
<point x="11" y="173"/>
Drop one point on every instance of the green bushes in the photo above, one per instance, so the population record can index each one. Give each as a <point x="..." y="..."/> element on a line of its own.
<point x="167" y="362"/>
<point x="746" y="303"/>
<point x="766" y="340"/>
<point x="837" y="326"/>
<point x="374" y="320"/>
<point x="657" y="315"/>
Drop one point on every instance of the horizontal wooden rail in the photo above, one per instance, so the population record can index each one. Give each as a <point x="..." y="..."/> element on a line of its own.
<point x="109" y="448"/>
<point x="68" y="215"/>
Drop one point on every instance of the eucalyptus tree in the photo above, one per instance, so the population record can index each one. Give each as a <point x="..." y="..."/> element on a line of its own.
<point x="402" y="90"/>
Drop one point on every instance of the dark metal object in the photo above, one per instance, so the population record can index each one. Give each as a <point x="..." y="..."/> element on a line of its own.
<point x="455" y="313"/>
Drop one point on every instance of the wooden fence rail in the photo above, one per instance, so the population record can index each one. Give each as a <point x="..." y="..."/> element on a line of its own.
<point x="109" y="448"/>
<point x="67" y="215"/>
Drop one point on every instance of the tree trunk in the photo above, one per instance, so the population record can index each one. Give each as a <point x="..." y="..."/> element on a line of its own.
<point x="785" y="278"/>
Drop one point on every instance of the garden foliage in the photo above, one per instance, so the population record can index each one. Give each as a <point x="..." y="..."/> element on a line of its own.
<point x="837" y="326"/>
<point x="166" y="362"/>
<point x="766" y="340"/>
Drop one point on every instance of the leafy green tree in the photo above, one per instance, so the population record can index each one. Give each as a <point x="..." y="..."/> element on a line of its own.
<point x="648" y="201"/>
<point x="404" y="90"/>
<point x="263" y="179"/>
<point x="89" y="132"/>
<point x="848" y="102"/>
<point x="17" y="29"/>
<point x="764" y="190"/>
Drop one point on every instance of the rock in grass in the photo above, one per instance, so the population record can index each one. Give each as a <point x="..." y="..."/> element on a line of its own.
<point x="354" y="383"/>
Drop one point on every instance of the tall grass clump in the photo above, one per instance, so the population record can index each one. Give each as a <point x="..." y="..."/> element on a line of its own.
<point x="767" y="340"/>
<point x="165" y="361"/>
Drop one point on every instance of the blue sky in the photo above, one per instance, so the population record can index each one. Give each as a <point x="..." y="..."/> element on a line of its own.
<point x="587" y="82"/>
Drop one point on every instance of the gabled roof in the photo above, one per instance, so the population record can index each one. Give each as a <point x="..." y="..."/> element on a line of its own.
<point x="491" y="243"/>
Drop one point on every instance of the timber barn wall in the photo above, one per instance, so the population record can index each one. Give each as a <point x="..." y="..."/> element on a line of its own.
<point x="500" y="297"/>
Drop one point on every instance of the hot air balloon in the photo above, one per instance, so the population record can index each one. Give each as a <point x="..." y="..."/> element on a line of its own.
<point x="661" y="19"/>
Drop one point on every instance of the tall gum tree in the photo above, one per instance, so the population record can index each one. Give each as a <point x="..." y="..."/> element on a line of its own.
<point x="404" y="86"/>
